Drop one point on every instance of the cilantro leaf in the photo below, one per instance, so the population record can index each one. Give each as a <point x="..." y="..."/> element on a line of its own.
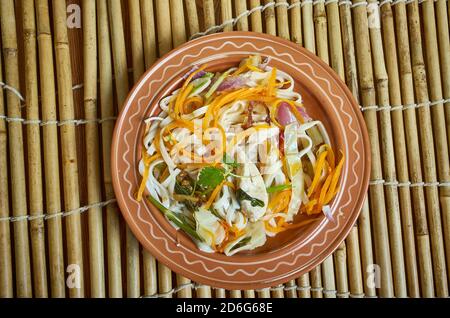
<point x="241" y="195"/>
<point x="210" y="177"/>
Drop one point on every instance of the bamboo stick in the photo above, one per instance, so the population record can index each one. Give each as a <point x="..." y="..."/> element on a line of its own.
<point x="148" y="32"/>
<point x="282" y="21"/>
<point x="304" y="287"/>
<point x="220" y="293"/>
<point x="150" y="277"/>
<point x="263" y="293"/>
<point x="163" y="26"/>
<point x="95" y="218"/>
<point x="351" y="76"/>
<point x="290" y="290"/>
<point x="50" y="141"/>
<point x="354" y="267"/>
<point x="235" y="294"/>
<point x="320" y="25"/>
<point x="185" y="292"/>
<point x="148" y="26"/>
<point x="362" y="243"/>
<point x="240" y="7"/>
<point x="121" y="76"/>
<point x="34" y="153"/>
<point x="269" y="17"/>
<point x="164" y="280"/>
<point x="387" y="152"/>
<point x="165" y="45"/>
<point x="379" y="222"/>
<point x="208" y="13"/>
<point x="296" y="23"/>
<point x="192" y="16"/>
<point x="277" y="291"/>
<point x="68" y="144"/>
<point x="137" y="49"/>
<point x="315" y="276"/>
<point x="178" y="26"/>
<point x="441" y="156"/>
<point x="255" y="17"/>
<point x="203" y="291"/>
<point x="16" y="155"/>
<point x="249" y="293"/>
<point x="6" y="276"/>
<point x="107" y="110"/>
<point x="226" y="13"/>
<point x="413" y="148"/>
<point x="118" y="50"/>
<point x="400" y="152"/>
<point x="308" y="26"/>
<point x="444" y="55"/>
<point x="337" y="63"/>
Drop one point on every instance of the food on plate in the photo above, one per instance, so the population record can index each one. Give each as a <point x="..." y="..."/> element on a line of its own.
<point x="233" y="157"/>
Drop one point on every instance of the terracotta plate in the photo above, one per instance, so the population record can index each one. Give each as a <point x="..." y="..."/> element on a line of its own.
<point x="289" y="254"/>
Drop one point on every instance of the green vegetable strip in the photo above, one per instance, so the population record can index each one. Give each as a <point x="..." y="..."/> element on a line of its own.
<point x="171" y="216"/>
<point x="278" y="188"/>
<point x="216" y="84"/>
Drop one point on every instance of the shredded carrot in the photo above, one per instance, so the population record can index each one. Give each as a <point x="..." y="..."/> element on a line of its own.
<point x="272" y="82"/>
<point x="230" y="184"/>
<point x="280" y="201"/>
<point x="213" y="196"/>
<point x="310" y="205"/>
<point x="195" y="102"/>
<point x="320" y="164"/>
<point x="147" y="161"/>
<point x="323" y="192"/>
<point x="336" y="174"/>
<point x="181" y="98"/>
<point x="253" y="68"/>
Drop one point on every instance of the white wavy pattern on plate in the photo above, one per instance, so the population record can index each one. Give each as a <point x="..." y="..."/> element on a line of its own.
<point x="218" y="267"/>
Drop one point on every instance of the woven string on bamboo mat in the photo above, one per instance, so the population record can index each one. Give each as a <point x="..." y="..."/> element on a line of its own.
<point x="67" y="65"/>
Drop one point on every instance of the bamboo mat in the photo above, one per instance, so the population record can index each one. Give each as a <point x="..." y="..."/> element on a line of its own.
<point x="66" y="67"/>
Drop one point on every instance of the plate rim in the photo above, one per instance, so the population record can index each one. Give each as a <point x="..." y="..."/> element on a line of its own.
<point x="364" y="183"/>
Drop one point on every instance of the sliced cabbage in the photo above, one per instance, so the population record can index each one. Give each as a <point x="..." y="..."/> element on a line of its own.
<point x="253" y="184"/>
<point x="295" y="170"/>
<point x="255" y="237"/>
<point x="209" y="229"/>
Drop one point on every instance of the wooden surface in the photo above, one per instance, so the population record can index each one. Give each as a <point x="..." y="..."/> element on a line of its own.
<point x="395" y="60"/>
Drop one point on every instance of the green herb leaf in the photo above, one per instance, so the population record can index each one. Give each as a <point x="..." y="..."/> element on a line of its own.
<point x="210" y="177"/>
<point x="173" y="217"/>
<point x="241" y="195"/>
<point x="278" y="188"/>
<point x="229" y="161"/>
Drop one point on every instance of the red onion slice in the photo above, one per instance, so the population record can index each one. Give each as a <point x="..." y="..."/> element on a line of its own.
<point x="284" y="115"/>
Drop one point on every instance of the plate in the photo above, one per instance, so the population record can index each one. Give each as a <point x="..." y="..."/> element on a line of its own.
<point x="290" y="254"/>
